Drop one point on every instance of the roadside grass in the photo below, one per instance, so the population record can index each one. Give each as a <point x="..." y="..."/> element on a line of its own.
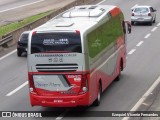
<point x="13" y="26"/>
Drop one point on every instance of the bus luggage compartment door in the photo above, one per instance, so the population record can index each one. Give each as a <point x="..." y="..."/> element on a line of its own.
<point x="57" y="84"/>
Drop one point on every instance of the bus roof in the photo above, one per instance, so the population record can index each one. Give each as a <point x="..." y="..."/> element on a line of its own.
<point x="79" y="18"/>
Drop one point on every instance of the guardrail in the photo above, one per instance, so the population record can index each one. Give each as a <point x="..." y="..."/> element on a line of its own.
<point x="12" y="37"/>
<point x="5" y="40"/>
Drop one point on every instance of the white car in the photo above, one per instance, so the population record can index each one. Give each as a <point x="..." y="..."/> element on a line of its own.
<point x="143" y="14"/>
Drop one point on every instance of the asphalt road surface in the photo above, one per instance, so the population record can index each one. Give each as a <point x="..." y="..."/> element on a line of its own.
<point x="14" y="10"/>
<point x="143" y="68"/>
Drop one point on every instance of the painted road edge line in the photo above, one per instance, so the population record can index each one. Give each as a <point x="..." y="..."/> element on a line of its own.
<point x="147" y="36"/>
<point x="8" y="54"/>
<point x="18" y="88"/>
<point x="132" y="51"/>
<point x="154" y="29"/>
<point x="144" y="97"/>
<point x="101" y="2"/>
<point x="140" y="43"/>
<point x="21" y="6"/>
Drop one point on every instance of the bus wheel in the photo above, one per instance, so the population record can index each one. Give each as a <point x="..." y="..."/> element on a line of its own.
<point x="98" y="100"/>
<point x="120" y="69"/>
<point x="118" y="77"/>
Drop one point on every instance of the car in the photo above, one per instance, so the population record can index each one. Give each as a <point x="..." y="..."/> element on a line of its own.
<point x="22" y="43"/>
<point x="143" y="14"/>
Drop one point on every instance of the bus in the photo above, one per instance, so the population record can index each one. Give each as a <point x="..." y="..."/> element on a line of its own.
<point x="76" y="55"/>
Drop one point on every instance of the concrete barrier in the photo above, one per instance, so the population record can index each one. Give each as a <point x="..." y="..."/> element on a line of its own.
<point x="16" y="33"/>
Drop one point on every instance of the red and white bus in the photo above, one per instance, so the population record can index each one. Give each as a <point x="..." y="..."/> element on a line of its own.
<point x="74" y="57"/>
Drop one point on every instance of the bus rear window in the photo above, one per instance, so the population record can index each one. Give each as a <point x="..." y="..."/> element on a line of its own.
<point x="55" y="42"/>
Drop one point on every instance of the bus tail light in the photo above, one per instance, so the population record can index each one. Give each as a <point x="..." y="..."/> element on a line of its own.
<point x="31" y="84"/>
<point x="77" y="31"/>
<point x="84" y="84"/>
<point x="34" y="32"/>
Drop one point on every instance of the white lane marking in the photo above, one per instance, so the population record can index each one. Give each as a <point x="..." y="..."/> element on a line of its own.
<point x="8" y="54"/>
<point x="18" y="88"/>
<point x="21" y="6"/>
<point x="134" y="6"/>
<point x="132" y="51"/>
<point x="62" y="115"/>
<point x="140" y="43"/>
<point x="144" y="97"/>
<point x="147" y="36"/>
<point x="158" y="24"/>
<point x="101" y="2"/>
<point x="154" y="29"/>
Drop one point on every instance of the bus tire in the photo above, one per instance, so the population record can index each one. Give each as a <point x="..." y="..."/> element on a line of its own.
<point x="98" y="100"/>
<point x="118" y="77"/>
<point x="120" y="69"/>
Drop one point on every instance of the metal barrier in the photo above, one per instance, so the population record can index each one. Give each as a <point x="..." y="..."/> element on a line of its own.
<point x="5" y="40"/>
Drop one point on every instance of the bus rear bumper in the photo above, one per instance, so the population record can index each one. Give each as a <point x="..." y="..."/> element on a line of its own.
<point x="65" y="101"/>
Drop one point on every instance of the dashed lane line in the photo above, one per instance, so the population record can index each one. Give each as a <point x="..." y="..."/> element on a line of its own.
<point x="140" y="43"/>
<point x="147" y="36"/>
<point x="132" y="51"/>
<point x="158" y="24"/>
<point x="154" y="29"/>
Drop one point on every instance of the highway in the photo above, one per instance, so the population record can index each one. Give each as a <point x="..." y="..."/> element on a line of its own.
<point x="143" y="68"/>
<point x="14" y="10"/>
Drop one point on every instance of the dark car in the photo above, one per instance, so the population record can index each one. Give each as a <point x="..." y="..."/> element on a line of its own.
<point x="22" y="43"/>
